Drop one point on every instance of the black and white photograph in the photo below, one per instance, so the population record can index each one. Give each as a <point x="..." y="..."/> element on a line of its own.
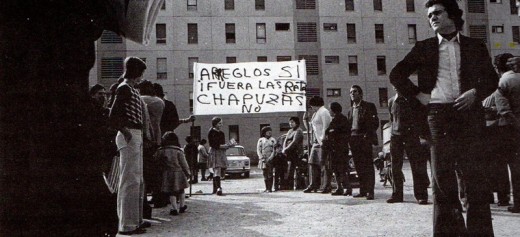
<point x="387" y="118"/>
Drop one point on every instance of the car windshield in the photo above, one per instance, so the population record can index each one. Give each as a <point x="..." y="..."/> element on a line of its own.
<point x="235" y="151"/>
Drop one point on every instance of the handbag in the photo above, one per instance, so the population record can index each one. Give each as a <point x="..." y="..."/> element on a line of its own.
<point x="112" y="178"/>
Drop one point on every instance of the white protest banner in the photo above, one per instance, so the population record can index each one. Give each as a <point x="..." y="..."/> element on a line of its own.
<point x="253" y="87"/>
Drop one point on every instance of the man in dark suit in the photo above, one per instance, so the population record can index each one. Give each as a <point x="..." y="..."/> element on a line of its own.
<point x="454" y="75"/>
<point x="363" y="118"/>
<point x="406" y="127"/>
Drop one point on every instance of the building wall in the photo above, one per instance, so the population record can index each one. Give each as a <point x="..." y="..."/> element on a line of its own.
<point x="211" y="18"/>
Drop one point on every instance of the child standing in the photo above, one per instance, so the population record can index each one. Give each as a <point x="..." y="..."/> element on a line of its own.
<point x="280" y="168"/>
<point x="265" y="151"/>
<point x="175" y="171"/>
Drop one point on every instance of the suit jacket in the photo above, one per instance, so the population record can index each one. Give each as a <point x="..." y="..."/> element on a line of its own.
<point x="476" y="70"/>
<point x="368" y="120"/>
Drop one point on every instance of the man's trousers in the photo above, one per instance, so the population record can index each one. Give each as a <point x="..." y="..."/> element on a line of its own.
<point x="362" y="155"/>
<point x="130" y="194"/>
<point x="411" y="144"/>
<point x="456" y="142"/>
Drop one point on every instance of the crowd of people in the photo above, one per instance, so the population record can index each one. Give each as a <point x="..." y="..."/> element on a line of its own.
<point x="136" y="126"/>
<point x="55" y="141"/>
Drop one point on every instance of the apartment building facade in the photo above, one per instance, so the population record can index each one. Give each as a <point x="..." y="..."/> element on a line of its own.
<point x="344" y="42"/>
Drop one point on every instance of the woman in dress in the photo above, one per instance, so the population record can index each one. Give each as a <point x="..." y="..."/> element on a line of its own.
<point x="217" y="153"/>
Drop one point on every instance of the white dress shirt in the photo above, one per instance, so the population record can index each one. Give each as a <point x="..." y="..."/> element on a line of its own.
<point x="446" y="88"/>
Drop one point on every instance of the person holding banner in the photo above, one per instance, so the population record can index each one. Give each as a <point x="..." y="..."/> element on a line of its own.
<point x="217" y="153"/>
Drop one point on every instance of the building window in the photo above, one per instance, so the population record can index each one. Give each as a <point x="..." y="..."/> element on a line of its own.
<point x="476" y="6"/>
<point x="162" y="69"/>
<point x="378" y="5"/>
<point x="284" y="127"/>
<point x="381" y="65"/>
<point x="231" y="59"/>
<point x="516" y="34"/>
<point x="283" y="58"/>
<point x="191" y="62"/>
<point x="497" y="29"/>
<point x="261" y="59"/>
<point x="111" y="67"/>
<point x="514" y="8"/>
<point x="109" y="37"/>
<point x="331" y="59"/>
<point x="380" y="33"/>
<point x="312" y="64"/>
<point x="495" y="1"/>
<point x="163" y="6"/>
<point x="479" y="32"/>
<point x="192" y="5"/>
<point x="412" y="34"/>
<point x="351" y="33"/>
<point x="335" y="92"/>
<point x="234" y="133"/>
<point x="259" y="5"/>
<point x="230" y="33"/>
<point x="191" y="102"/>
<point x="307" y="32"/>
<point x="383" y="97"/>
<point x="193" y="33"/>
<point x="349" y="5"/>
<point x="310" y="92"/>
<point x="305" y="4"/>
<point x="160" y="33"/>
<point x="330" y="27"/>
<point x="353" y="66"/>
<point x="229" y="4"/>
<point x="282" y="26"/>
<point x="260" y="33"/>
<point x="410" y="5"/>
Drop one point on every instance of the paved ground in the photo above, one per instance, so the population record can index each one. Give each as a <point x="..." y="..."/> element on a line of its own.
<point x="246" y="211"/>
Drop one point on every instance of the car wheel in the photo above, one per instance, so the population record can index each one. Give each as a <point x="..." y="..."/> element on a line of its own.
<point x="246" y="174"/>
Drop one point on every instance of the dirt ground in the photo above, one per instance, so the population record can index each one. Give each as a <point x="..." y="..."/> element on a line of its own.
<point x="245" y="210"/>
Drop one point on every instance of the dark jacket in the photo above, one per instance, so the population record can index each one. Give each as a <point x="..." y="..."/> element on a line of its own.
<point x="191" y="152"/>
<point x="170" y="117"/>
<point x="368" y="121"/>
<point x="408" y="116"/>
<point x="476" y="70"/>
<point x="338" y="134"/>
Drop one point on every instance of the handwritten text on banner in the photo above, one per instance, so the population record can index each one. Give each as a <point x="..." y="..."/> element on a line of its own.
<point x="253" y="87"/>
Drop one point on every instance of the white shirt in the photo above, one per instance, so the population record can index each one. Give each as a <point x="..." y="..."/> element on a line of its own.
<point x="446" y="88"/>
<point x="320" y="122"/>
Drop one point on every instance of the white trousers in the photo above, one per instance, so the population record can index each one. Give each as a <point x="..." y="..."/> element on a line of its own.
<point x="130" y="194"/>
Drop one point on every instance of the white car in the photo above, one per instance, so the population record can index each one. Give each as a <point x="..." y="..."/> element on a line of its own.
<point x="237" y="161"/>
